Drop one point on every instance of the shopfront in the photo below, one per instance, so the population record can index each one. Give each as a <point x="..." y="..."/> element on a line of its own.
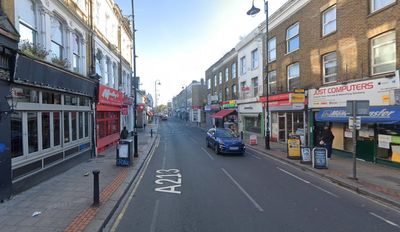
<point x="378" y="138"/>
<point x="227" y="117"/>
<point x="127" y="114"/>
<point x="287" y="116"/>
<point x="108" y="116"/>
<point x="250" y="118"/>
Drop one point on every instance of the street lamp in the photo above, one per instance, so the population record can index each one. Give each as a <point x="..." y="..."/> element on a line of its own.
<point x="157" y="82"/>
<point x="252" y="12"/>
<point x="12" y="104"/>
<point x="186" y="109"/>
<point x="135" y="82"/>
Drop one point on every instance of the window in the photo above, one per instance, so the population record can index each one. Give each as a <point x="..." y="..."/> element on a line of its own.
<point x="45" y="130"/>
<point x="76" y="52"/>
<point x="329" y="21"/>
<point x="226" y="74"/>
<point x="272" y="49"/>
<point x="254" y="83"/>
<point x="234" y="93"/>
<point x="220" y="78"/>
<point x="66" y="127"/>
<point x="379" y="4"/>
<point x="16" y="135"/>
<point x="26" y="95"/>
<point x="33" y="141"/>
<point x="292" y="38"/>
<point x="209" y="84"/>
<point x="57" y="131"/>
<point x="57" y="38"/>
<point x="254" y="59"/>
<point x="226" y="93"/>
<point x="272" y="83"/>
<point x="233" y="70"/>
<point x="70" y="100"/>
<point x="243" y="65"/>
<point x="383" y="53"/>
<point x="329" y="69"/>
<point x="27" y="23"/>
<point x="220" y="96"/>
<point x="80" y="121"/>
<point x="84" y="101"/>
<point x="86" y="124"/>
<point x="51" y="98"/>
<point x="293" y="76"/>
<point x="73" y="125"/>
<point x="215" y="80"/>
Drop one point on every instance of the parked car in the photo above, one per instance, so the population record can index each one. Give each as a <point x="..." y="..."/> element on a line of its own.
<point x="224" y="141"/>
<point x="164" y="117"/>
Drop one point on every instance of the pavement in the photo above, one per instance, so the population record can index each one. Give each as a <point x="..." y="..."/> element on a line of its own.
<point x="64" y="202"/>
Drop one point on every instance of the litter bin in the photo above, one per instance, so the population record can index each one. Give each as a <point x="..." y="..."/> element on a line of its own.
<point x="124" y="152"/>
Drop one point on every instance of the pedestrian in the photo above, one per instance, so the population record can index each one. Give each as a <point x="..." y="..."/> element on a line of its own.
<point x="327" y="140"/>
<point x="124" y="133"/>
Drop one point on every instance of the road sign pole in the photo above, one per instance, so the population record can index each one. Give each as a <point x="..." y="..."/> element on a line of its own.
<point x="354" y="141"/>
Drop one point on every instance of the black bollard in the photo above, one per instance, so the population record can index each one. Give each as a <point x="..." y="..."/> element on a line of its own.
<point x="241" y="135"/>
<point x="151" y="133"/>
<point x="96" y="192"/>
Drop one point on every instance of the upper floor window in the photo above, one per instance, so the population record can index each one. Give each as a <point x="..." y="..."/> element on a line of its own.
<point x="57" y="38"/>
<point x="27" y="22"/>
<point x="243" y="65"/>
<point x="272" y="49"/>
<point x="220" y="78"/>
<point x="208" y="84"/>
<point x="226" y="93"/>
<point x="215" y="80"/>
<point x="233" y="70"/>
<point x="76" y="52"/>
<point x="293" y="76"/>
<point x="234" y="93"/>
<point x="254" y="84"/>
<point x="329" y="21"/>
<point x="226" y="74"/>
<point x="254" y="59"/>
<point x="292" y="38"/>
<point x="329" y="68"/>
<point x="383" y="57"/>
<point x="379" y="4"/>
<point x="272" y="83"/>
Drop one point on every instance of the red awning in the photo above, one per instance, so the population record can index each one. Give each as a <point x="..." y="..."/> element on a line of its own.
<point x="222" y="113"/>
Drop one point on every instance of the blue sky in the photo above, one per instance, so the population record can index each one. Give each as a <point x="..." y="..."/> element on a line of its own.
<point x="178" y="40"/>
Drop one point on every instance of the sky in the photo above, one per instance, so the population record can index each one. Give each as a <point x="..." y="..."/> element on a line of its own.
<point x="178" y="40"/>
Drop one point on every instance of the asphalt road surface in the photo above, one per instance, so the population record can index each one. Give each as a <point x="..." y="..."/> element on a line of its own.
<point x="187" y="187"/>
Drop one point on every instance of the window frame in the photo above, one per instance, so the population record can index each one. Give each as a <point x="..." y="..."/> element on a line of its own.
<point x="288" y="74"/>
<point x="220" y="78"/>
<point x="273" y="39"/>
<point x="324" y="62"/>
<point x="76" y="54"/>
<point x="324" y="33"/>
<point x="254" y="59"/>
<point x="288" y="39"/>
<point x="272" y="82"/>
<point x="226" y="74"/>
<point x="372" y="8"/>
<point x="372" y="47"/>
<point x="233" y="71"/>
<point x="243" y="68"/>
<point x="60" y="46"/>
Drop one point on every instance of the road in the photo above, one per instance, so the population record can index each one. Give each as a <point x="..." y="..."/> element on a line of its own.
<point x="187" y="187"/>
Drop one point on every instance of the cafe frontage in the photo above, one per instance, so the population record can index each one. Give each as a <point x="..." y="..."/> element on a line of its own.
<point x="378" y="139"/>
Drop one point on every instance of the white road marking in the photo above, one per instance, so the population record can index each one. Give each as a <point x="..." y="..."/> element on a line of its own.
<point x="385" y="220"/>
<point x="243" y="191"/>
<point x="293" y="175"/>
<point x="308" y="182"/>
<point x="155" y="215"/>
<point x="254" y="156"/>
<point x="207" y="153"/>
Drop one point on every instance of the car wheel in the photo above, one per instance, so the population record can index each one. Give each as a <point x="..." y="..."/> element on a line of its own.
<point x="216" y="149"/>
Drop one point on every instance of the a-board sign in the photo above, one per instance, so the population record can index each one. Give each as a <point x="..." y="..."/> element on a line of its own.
<point x="306" y="155"/>
<point x="320" y="157"/>
<point x="293" y="146"/>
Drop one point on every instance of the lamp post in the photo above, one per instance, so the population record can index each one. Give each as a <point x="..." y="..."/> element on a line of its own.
<point x="12" y="104"/>
<point x="135" y="83"/>
<point x="157" y="82"/>
<point x="252" y="12"/>
<point x="186" y="109"/>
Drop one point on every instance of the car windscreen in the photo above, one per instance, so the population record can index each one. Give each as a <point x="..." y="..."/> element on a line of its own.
<point x="225" y="134"/>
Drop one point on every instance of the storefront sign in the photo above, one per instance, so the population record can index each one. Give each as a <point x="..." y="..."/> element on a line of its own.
<point x="384" y="141"/>
<point x="252" y="108"/>
<point x="319" y="157"/>
<point x="214" y="107"/>
<point x="377" y="114"/>
<point x="229" y="104"/>
<point x="110" y="96"/>
<point x="297" y="98"/>
<point x="207" y="108"/>
<point x="378" y="91"/>
<point x="293" y="144"/>
<point x="305" y="155"/>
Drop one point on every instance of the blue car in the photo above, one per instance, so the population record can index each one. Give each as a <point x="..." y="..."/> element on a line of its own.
<point x="224" y="141"/>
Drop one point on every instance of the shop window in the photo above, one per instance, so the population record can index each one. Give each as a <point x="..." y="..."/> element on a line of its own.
<point x="66" y="127"/>
<point x="45" y="130"/>
<point x="70" y="100"/>
<point x="32" y="132"/>
<point x="56" y="121"/>
<point x="252" y="124"/>
<point x="73" y="125"/>
<point x="86" y="124"/>
<point x="16" y="134"/>
<point x="84" y="101"/>
<point x="80" y="120"/>
<point x="383" y="58"/>
<point x="26" y="95"/>
<point x="51" y="98"/>
<point x="292" y="38"/>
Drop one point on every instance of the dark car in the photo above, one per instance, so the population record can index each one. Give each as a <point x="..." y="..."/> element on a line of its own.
<point x="224" y="141"/>
<point x="164" y="117"/>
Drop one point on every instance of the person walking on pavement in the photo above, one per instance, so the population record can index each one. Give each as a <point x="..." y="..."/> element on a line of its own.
<point x="124" y="133"/>
<point x="327" y="140"/>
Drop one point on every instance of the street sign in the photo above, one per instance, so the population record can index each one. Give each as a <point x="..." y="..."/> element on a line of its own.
<point x="351" y="123"/>
<point x="358" y="123"/>
<point x="362" y="107"/>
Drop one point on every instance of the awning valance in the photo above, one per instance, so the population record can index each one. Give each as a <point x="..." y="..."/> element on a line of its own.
<point x="222" y="113"/>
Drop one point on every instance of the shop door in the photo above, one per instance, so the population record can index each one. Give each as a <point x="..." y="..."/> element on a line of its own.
<point x="282" y="127"/>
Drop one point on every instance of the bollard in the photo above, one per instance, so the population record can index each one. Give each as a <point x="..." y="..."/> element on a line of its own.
<point x="96" y="192"/>
<point x="151" y="133"/>
<point x="241" y="135"/>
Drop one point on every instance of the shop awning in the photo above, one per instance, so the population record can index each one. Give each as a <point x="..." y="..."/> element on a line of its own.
<point x="377" y="114"/>
<point x="222" y="113"/>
